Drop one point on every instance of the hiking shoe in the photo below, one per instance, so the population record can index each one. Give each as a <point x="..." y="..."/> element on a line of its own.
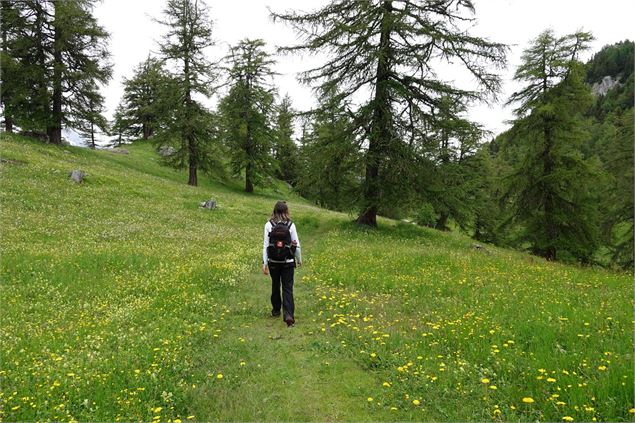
<point x="290" y="321"/>
<point x="275" y="313"/>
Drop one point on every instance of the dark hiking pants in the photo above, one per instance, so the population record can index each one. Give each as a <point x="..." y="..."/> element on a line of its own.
<point x="282" y="274"/>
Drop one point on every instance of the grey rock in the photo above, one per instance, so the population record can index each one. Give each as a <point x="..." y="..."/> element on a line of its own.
<point x="119" y="151"/>
<point x="209" y="204"/>
<point x="601" y="88"/>
<point x="166" y="151"/>
<point x="77" y="175"/>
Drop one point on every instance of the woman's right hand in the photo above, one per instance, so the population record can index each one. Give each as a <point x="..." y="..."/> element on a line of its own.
<point x="265" y="269"/>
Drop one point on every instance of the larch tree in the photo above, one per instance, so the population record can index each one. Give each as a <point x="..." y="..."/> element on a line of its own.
<point x="552" y="189"/>
<point x="146" y="97"/>
<point x="88" y="114"/>
<point x="189" y="34"/>
<point x="77" y="44"/>
<point x="10" y="26"/>
<point x="247" y="111"/>
<point x="386" y="51"/>
<point x="285" y="149"/>
<point x="62" y="51"/>
<point x="330" y="164"/>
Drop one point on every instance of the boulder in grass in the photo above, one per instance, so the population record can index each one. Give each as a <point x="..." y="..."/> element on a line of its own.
<point x="166" y="151"/>
<point x="77" y="175"/>
<point x="119" y="151"/>
<point x="209" y="204"/>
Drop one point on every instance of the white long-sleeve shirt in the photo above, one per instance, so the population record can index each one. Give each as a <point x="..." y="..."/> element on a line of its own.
<point x="294" y="237"/>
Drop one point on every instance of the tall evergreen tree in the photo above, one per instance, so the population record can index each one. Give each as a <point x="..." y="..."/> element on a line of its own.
<point x="451" y="188"/>
<point x="552" y="188"/>
<point x="63" y="53"/>
<point x="11" y="23"/>
<point x="389" y="48"/>
<point x="119" y="127"/>
<point x="617" y="145"/>
<point x="147" y="96"/>
<point x="330" y="163"/>
<point x="88" y="114"/>
<point x="189" y="33"/>
<point x="285" y="149"/>
<point x="247" y="111"/>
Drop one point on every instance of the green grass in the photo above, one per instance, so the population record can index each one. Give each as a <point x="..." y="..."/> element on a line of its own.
<point x="122" y="300"/>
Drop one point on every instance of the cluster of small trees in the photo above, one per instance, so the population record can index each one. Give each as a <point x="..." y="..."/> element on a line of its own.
<point x="388" y="135"/>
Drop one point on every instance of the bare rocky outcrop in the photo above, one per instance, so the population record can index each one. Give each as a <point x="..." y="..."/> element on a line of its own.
<point x="607" y="83"/>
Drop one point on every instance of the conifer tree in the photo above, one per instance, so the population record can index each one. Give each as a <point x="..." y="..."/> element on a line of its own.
<point x="62" y="52"/>
<point x="189" y="33"/>
<point x="617" y="144"/>
<point x="247" y="110"/>
<point x="552" y="190"/>
<point x="119" y="127"/>
<point x="10" y="69"/>
<point x="389" y="48"/>
<point x="285" y="149"/>
<point x="147" y="96"/>
<point x="330" y="163"/>
<point x="89" y="114"/>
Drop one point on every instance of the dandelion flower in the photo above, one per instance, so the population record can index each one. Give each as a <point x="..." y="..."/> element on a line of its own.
<point x="550" y="379"/>
<point x="485" y="380"/>
<point x="219" y="376"/>
<point x="528" y="400"/>
<point x="493" y="387"/>
<point x="386" y="384"/>
<point x="416" y="402"/>
<point x="602" y="368"/>
<point x="370" y="399"/>
<point x="567" y="418"/>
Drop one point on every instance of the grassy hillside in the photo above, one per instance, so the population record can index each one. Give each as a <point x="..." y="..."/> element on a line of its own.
<point x="122" y="300"/>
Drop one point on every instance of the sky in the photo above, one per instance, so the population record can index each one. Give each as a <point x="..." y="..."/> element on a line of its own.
<point x="134" y="34"/>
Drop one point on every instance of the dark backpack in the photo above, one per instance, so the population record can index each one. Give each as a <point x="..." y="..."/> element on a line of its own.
<point x="280" y="248"/>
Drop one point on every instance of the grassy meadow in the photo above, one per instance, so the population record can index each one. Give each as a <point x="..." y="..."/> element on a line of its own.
<point x="122" y="300"/>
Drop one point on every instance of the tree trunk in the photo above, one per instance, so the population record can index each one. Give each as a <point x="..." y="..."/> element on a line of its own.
<point x="249" y="186"/>
<point x="193" y="179"/>
<point x="54" y="129"/>
<point x="189" y="131"/>
<point x="92" y="135"/>
<point x="550" y="225"/>
<point x="8" y="123"/>
<point x="380" y="126"/>
<point x="442" y="222"/>
<point x="146" y="131"/>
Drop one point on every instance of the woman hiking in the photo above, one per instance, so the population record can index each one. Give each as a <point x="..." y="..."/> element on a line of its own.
<point x="280" y="254"/>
